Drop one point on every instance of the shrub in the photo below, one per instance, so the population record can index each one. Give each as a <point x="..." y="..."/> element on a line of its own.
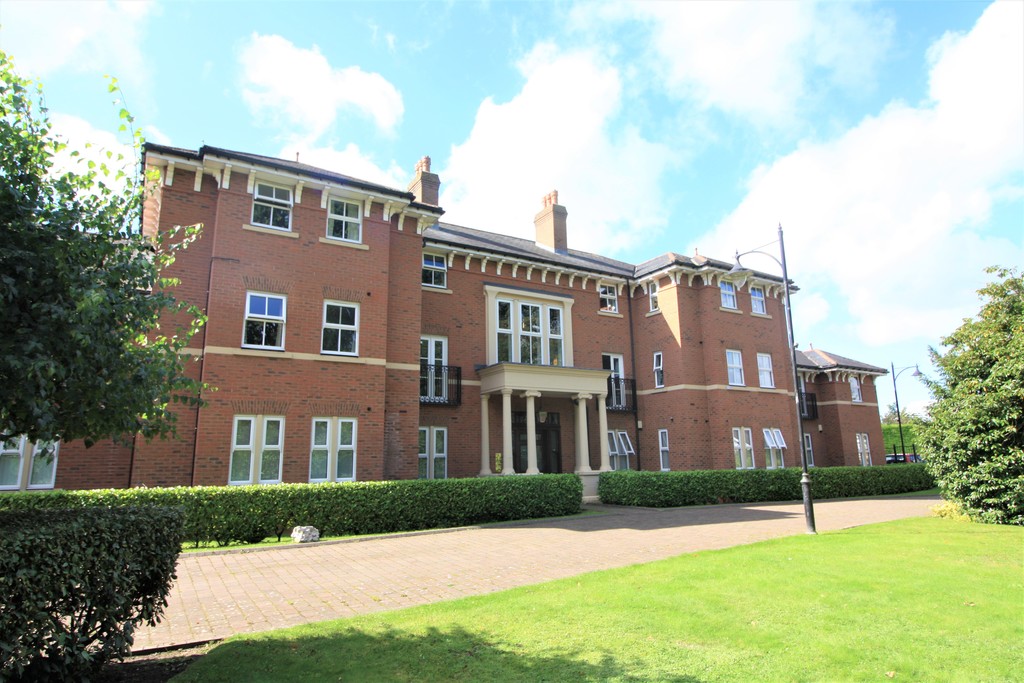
<point x="973" y="441"/>
<point x="74" y="584"/>
<point x="704" y="487"/>
<point x="227" y="514"/>
<point x="950" y="510"/>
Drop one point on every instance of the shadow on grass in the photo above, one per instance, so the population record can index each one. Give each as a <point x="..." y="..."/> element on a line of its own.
<point x="315" y="653"/>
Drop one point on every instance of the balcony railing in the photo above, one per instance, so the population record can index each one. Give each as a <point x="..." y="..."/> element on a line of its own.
<point x="808" y="406"/>
<point x="440" y="385"/>
<point x="621" y="395"/>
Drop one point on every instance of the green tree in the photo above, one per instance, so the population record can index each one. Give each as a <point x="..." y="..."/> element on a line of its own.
<point x="82" y="352"/>
<point x="974" y="440"/>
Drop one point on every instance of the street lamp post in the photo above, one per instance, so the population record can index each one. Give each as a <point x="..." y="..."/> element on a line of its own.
<point x="899" y="417"/>
<point x="805" y="477"/>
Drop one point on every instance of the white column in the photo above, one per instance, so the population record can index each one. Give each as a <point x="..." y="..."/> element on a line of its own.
<point x="531" y="433"/>
<point x="602" y="421"/>
<point x="582" y="440"/>
<point x="506" y="432"/>
<point x="485" y="438"/>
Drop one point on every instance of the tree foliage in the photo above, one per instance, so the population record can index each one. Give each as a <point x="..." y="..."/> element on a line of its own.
<point x="82" y="354"/>
<point x="889" y="418"/>
<point x="974" y="440"/>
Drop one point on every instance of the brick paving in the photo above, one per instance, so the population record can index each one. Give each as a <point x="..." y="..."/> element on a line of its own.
<point x="221" y="594"/>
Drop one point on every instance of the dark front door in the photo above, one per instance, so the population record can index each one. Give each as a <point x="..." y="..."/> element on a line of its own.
<point x="549" y="443"/>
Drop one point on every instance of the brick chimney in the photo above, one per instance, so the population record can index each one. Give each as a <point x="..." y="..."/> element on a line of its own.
<point x="550" y="224"/>
<point x="426" y="186"/>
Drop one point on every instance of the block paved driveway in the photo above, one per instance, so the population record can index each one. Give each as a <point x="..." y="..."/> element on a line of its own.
<point x="221" y="594"/>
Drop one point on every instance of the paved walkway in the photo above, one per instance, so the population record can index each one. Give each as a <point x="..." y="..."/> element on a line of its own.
<point x="218" y="595"/>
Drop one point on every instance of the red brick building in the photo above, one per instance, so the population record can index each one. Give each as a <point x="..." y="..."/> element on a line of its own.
<point x="352" y="335"/>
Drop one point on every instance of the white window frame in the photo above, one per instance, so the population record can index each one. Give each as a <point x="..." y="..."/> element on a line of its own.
<point x="341" y="328"/>
<point x="27" y="457"/>
<point x="13" y="451"/>
<point x="620" y="449"/>
<point x="743" y="448"/>
<point x="258" y="434"/>
<point x="608" y="298"/>
<point x="37" y="452"/>
<point x="272" y="201"/>
<point x="863" y="449"/>
<point x="663" y="451"/>
<point x="265" y="318"/>
<point x="548" y="341"/>
<point x="554" y="317"/>
<point x="334" y="444"/>
<point x="659" y="370"/>
<point x="437" y="267"/>
<point x="728" y="291"/>
<point x="775" y="448"/>
<point x="856" y="394"/>
<point x="734" y="366"/>
<point x="808" y="449"/>
<point x="652" y="295"/>
<point x="615" y="363"/>
<point x="433" y="447"/>
<point x="765" y="372"/>
<point x="347" y="222"/>
<point x="757" y="301"/>
<point x="434" y="385"/>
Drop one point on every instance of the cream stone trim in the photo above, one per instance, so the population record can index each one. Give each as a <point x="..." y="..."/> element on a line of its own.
<point x="845" y="403"/>
<point x="439" y="290"/>
<point x="761" y="315"/>
<point x="730" y="310"/>
<point x="713" y="387"/>
<point x="270" y="231"/>
<point x="343" y="243"/>
<point x="648" y="314"/>
<point x="402" y="366"/>
<point x="294" y="355"/>
<point x="609" y="314"/>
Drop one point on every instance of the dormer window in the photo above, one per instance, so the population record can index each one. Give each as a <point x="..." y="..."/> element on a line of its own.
<point x="272" y="206"/>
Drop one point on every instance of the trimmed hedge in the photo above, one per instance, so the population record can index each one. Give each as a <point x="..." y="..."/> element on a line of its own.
<point x="228" y="514"/>
<point x="74" y="584"/>
<point x="706" y="487"/>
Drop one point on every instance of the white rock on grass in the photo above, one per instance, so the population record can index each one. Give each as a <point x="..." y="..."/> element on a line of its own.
<point x="305" y="534"/>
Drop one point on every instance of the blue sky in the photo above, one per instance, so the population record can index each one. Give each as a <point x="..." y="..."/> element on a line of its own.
<point x="886" y="138"/>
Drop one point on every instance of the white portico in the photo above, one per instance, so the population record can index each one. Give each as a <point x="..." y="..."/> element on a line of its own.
<point x="533" y="382"/>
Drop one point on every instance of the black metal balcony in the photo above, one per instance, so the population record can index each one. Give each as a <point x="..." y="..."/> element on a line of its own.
<point x="621" y="395"/>
<point x="440" y="385"/>
<point x="808" y="406"/>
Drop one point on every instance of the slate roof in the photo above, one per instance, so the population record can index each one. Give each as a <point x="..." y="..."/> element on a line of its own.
<point x="826" y="360"/>
<point x="460" y="236"/>
<point x="293" y="167"/>
<point x="504" y="245"/>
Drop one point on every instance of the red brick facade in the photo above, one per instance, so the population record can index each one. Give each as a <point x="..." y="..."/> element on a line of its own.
<point x="376" y="390"/>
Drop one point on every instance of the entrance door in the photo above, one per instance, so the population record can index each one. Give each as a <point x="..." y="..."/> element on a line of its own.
<point x="549" y="443"/>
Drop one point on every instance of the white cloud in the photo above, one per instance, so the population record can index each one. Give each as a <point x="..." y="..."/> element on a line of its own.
<point x="95" y="37"/>
<point x="296" y="87"/>
<point x="557" y="133"/>
<point x="92" y="144"/>
<point x="893" y="214"/>
<point x="753" y="59"/>
<point x="350" y="161"/>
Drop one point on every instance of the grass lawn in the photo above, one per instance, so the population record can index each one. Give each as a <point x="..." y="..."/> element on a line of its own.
<point x="922" y="599"/>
